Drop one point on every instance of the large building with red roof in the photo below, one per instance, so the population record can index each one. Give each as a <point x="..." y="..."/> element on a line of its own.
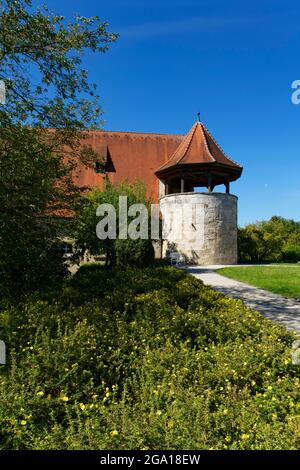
<point x="202" y="226"/>
<point x="166" y="163"/>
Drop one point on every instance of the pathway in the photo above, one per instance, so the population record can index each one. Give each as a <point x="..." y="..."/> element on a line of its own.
<point x="275" y="307"/>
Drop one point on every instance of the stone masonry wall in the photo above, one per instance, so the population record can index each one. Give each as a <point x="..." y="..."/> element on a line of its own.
<point x="201" y="226"/>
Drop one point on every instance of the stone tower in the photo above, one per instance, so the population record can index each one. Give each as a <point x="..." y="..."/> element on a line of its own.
<point x="202" y="226"/>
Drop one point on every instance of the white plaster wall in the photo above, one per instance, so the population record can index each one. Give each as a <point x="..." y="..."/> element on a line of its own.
<point x="201" y="226"/>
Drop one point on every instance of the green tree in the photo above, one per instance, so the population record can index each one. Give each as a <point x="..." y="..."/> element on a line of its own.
<point x="277" y="239"/>
<point x="135" y="252"/>
<point x="47" y="88"/>
<point x="257" y="244"/>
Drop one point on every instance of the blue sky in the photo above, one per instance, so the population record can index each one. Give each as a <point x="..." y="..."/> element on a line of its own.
<point x="234" y="61"/>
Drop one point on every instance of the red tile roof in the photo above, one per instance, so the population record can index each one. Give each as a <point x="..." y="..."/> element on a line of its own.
<point x="132" y="156"/>
<point x="198" y="147"/>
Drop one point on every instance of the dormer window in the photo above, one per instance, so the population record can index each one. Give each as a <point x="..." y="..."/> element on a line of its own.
<point x="100" y="167"/>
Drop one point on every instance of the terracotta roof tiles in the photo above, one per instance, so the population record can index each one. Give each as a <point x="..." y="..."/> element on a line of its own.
<point x="138" y="155"/>
<point x="198" y="147"/>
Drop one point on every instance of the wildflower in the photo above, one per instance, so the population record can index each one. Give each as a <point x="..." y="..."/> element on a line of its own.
<point x="40" y="394"/>
<point x="82" y="406"/>
<point x="23" y="422"/>
<point x="245" y="437"/>
<point x="64" y="398"/>
<point x="159" y="413"/>
<point x="114" y="433"/>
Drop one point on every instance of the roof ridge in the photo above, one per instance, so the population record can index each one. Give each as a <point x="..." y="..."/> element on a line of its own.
<point x="135" y="132"/>
<point x="192" y="132"/>
<point x="219" y="146"/>
<point x="205" y="142"/>
<point x="185" y="147"/>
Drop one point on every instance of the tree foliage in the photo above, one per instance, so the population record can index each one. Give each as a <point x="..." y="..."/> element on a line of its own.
<point x="277" y="239"/>
<point x="41" y="64"/>
<point x="134" y="252"/>
<point x="115" y="250"/>
<point x="49" y="104"/>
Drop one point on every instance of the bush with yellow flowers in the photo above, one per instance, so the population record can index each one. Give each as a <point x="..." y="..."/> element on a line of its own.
<point x="144" y="359"/>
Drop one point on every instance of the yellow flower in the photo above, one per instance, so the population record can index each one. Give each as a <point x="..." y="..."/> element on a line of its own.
<point x="159" y="413"/>
<point x="245" y="437"/>
<point x="23" y="422"/>
<point x="82" y="406"/>
<point x="114" y="433"/>
<point x="64" y="398"/>
<point x="40" y="394"/>
<point x="225" y="412"/>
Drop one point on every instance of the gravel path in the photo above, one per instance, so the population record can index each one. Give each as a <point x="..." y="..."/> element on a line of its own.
<point x="275" y="307"/>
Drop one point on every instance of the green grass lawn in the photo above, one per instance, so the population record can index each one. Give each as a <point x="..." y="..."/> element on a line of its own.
<point x="282" y="279"/>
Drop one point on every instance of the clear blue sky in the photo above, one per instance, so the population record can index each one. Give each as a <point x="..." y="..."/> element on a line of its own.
<point x="232" y="60"/>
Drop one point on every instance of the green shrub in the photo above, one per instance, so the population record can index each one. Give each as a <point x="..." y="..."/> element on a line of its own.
<point x="138" y="253"/>
<point x="145" y="359"/>
<point x="291" y="253"/>
<point x="39" y="266"/>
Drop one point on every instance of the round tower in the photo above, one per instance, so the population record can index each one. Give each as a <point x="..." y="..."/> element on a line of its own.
<point x="201" y="226"/>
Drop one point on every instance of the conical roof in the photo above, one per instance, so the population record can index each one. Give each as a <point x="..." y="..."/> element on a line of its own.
<point x="199" y="147"/>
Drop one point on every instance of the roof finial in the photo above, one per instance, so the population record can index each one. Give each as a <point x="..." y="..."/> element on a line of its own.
<point x="198" y="114"/>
